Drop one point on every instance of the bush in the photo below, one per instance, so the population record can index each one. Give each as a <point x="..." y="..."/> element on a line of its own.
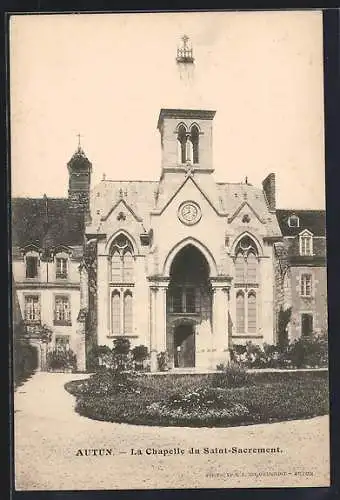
<point x="121" y="356"/>
<point x="249" y="355"/>
<point x="206" y="405"/>
<point x="190" y="400"/>
<point x="231" y="375"/>
<point x="108" y="382"/>
<point x="42" y="332"/>
<point x="309" y="351"/>
<point x="163" y="361"/>
<point x="304" y="352"/>
<point x="61" y="359"/>
<point x="25" y="360"/>
<point x="139" y="355"/>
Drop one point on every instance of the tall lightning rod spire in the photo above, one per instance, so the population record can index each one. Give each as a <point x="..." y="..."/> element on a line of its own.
<point x="79" y="144"/>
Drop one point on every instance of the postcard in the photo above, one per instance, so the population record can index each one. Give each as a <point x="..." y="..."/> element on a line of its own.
<point x="169" y="250"/>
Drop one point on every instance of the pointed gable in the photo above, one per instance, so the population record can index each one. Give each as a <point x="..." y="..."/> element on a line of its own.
<point x="169" y="190"/>
<point x="240" y="208"/>
<point x="123" y="204"/>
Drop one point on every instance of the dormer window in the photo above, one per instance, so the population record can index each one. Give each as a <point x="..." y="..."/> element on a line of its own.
<point x="61" y="268"/>
<point x="31" y="267"/>
<point x="61" y="260"/>
<point x="293" y="221"/>
<point x="306" y="243"/>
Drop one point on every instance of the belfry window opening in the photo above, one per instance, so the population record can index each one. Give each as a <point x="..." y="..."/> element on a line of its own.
<point x="188" y="145"/>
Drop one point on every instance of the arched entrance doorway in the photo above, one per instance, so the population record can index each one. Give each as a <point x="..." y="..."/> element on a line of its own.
<point x="184" y="345"/>
<point x="188" y="305"/>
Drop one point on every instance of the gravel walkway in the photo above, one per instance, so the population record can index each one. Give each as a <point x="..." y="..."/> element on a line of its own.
<point x="49" y="435"/>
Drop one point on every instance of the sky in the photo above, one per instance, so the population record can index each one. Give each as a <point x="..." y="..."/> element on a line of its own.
<point x="106" y="77"/>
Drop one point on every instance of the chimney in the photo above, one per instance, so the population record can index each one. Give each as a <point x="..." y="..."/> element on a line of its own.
<point x="269" y="190"/>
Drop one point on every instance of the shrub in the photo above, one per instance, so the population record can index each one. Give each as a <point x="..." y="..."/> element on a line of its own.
<point x="195" y="400"/>
<point x="231" y="375"/>
<point x="304" y="352"/>
<point x="275" y="356"/>
<point x="42" y="332"/>
<point x="101" y="356"/>
<point x="25" y="360"/>
<point x="109" y="382"/>
<point x="139" y="355"/>
<point x="121" y="358"/>
<point x="237" y="354"/>
<point x="163" y="361"/>
<point x="61" y="359"/>
<point x="203" y="405"/>
<point x="186" y="400"/>
<point x="309" y="351"/>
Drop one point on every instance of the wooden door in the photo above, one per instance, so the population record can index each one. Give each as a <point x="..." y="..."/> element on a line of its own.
<point x="184" y="346"/>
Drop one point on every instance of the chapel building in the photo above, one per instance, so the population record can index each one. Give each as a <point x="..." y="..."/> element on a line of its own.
<point x="183" y="264"/>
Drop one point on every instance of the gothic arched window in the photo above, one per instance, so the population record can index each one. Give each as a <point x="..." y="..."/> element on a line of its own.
<point x="122" y="274"/>
<point x="122" y="260"/>
<point x="246" y="262"/>
<point x="246" y="276"/>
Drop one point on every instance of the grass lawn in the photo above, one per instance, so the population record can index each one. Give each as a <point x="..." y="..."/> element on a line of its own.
<point x="201" y="400"/>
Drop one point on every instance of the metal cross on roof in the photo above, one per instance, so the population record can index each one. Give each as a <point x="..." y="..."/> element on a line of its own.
<point x="185" y="39"/>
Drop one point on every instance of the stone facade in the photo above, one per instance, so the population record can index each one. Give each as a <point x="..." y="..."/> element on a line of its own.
<point x="302" y="282"/>
<point x="150" y="218"/>
<point x="184" y="265"/>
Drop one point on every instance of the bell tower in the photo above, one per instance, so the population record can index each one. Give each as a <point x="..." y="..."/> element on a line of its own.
<point x="186" y="131"/>
<point x="186" y="139"/>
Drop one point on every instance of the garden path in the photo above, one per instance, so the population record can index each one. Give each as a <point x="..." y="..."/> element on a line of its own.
<point x="48" y="435"/>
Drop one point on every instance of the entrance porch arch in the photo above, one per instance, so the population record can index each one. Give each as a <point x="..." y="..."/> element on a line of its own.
<point x="189" y="303"/>
<point x="182" y="244"/>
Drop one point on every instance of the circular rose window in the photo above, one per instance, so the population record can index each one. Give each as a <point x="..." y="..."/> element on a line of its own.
<point x="189" y="213"/>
